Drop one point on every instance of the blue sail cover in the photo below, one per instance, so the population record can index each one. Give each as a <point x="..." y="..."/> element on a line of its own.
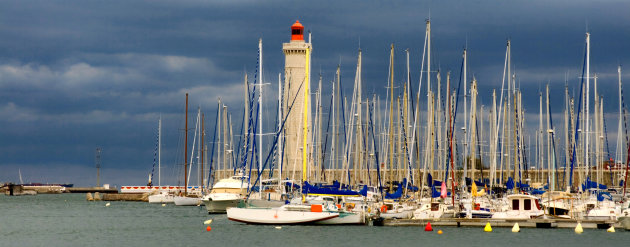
<point x="537" y="192"/>
<point x="522" y="185"/>
<point x="398" y="192"/>
<point x="603" y="195"/>
<point x="329" y="190"/>
<point x="510" y="183"/>
<point x="429" y="180"/>
<point x="434" y="192"/>
<point x="479" y="183"/>
<point x="335" y="184"/>
<point x="589" y="184"/>
<point x="413" y="188"/>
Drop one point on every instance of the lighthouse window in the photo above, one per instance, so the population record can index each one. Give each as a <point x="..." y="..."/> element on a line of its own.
<point x="296" y="32"/>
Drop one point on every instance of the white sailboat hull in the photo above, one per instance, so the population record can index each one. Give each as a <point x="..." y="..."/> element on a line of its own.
<point x="162" y="198"/>
<point x="186" y="201"/>
<point x="344" y="219"/>
<point x="220" y="206"/>
<point x="397" y="215"/>
<point x="277" y="216"/>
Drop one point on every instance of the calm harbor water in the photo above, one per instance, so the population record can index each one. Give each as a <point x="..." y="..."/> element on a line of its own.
<point x="70" y="220"/>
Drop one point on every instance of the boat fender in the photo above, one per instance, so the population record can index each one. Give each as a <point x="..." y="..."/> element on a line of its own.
<point x="318" y="208"/>
<point x="383" y="209"/>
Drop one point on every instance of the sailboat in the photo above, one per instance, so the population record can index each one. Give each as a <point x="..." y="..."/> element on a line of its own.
<point x="162" y="196"/>
<point x="187" y="198"/>
<point x="270" y="191"/>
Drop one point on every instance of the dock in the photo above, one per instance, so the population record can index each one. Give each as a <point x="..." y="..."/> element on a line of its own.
<point x="523" y="223"/>
<point x="126" y="197"/>
<point x="91" y="190"/>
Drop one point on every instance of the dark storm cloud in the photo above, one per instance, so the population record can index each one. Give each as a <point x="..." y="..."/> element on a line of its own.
<point x="81" y="74"/>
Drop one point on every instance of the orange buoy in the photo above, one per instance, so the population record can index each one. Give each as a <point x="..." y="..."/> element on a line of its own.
<point x="428" y="228"/>
<point x="383" y="209"/>
<point x="208" y="228"/>
<point x="439" y="232"/>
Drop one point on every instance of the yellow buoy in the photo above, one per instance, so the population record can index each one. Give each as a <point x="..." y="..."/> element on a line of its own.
<point x="440" y="232"/>
<point x="611" y="229"/>
<point x="488" y="228"/>
<point x="578" y="228"/>
<point x="163" y="204"/>
<point x="516" y="228"/>
<point x="207" y="222"/>
<point x="107" y="205"/>
<point x="278" y="227"/>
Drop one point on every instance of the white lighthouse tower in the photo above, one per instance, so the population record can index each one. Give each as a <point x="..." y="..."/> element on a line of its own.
<point x="297" y="130"/>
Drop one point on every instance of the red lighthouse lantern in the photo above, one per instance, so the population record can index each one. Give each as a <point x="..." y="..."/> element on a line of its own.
<point x="297" y="31"/>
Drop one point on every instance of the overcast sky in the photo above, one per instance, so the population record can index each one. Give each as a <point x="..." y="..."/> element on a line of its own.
<point x="76" y="75"/>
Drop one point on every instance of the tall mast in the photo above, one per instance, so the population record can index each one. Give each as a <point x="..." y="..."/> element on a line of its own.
<point x="416" y="119"/>
<point x="451" y="130"/>
<point x="596" y="130"/>
<point x="231" y="142"/>
<point x="186" y="149"/>
<point x="473" y="129"/>
<point x="318" y="114"/>
<point x="195" y="142"/>
<point x="509" y="106"/>
<point x="160" y="151"/>
<point x="540" y="132"/>
<point x="439" y="115"/>
<point x="408" y="91"/>
<point x="466" y="155"/>
<point x="567" y="158"/>
<point x="246" y="117"/>
<point x="391" y="116"/>
<point x="359" y="118"/>
<point x="280" y="149"/>
<point x="201" y="149"/>
<point x="550" y="169"/>
<point x="587" y="106"/>
<point x="407" y="126"/>
<point x="260" y="109"/>
<point x="428" y="53"/>
<point x="220" y="158"/>
<point x="333" y="151"/>
<point x="619" y="148"/>
<point x="499" y="111"/>
<point x="493" y="137"/>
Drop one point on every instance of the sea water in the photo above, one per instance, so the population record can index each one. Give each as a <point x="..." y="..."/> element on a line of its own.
<point x="70" y="220"/>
